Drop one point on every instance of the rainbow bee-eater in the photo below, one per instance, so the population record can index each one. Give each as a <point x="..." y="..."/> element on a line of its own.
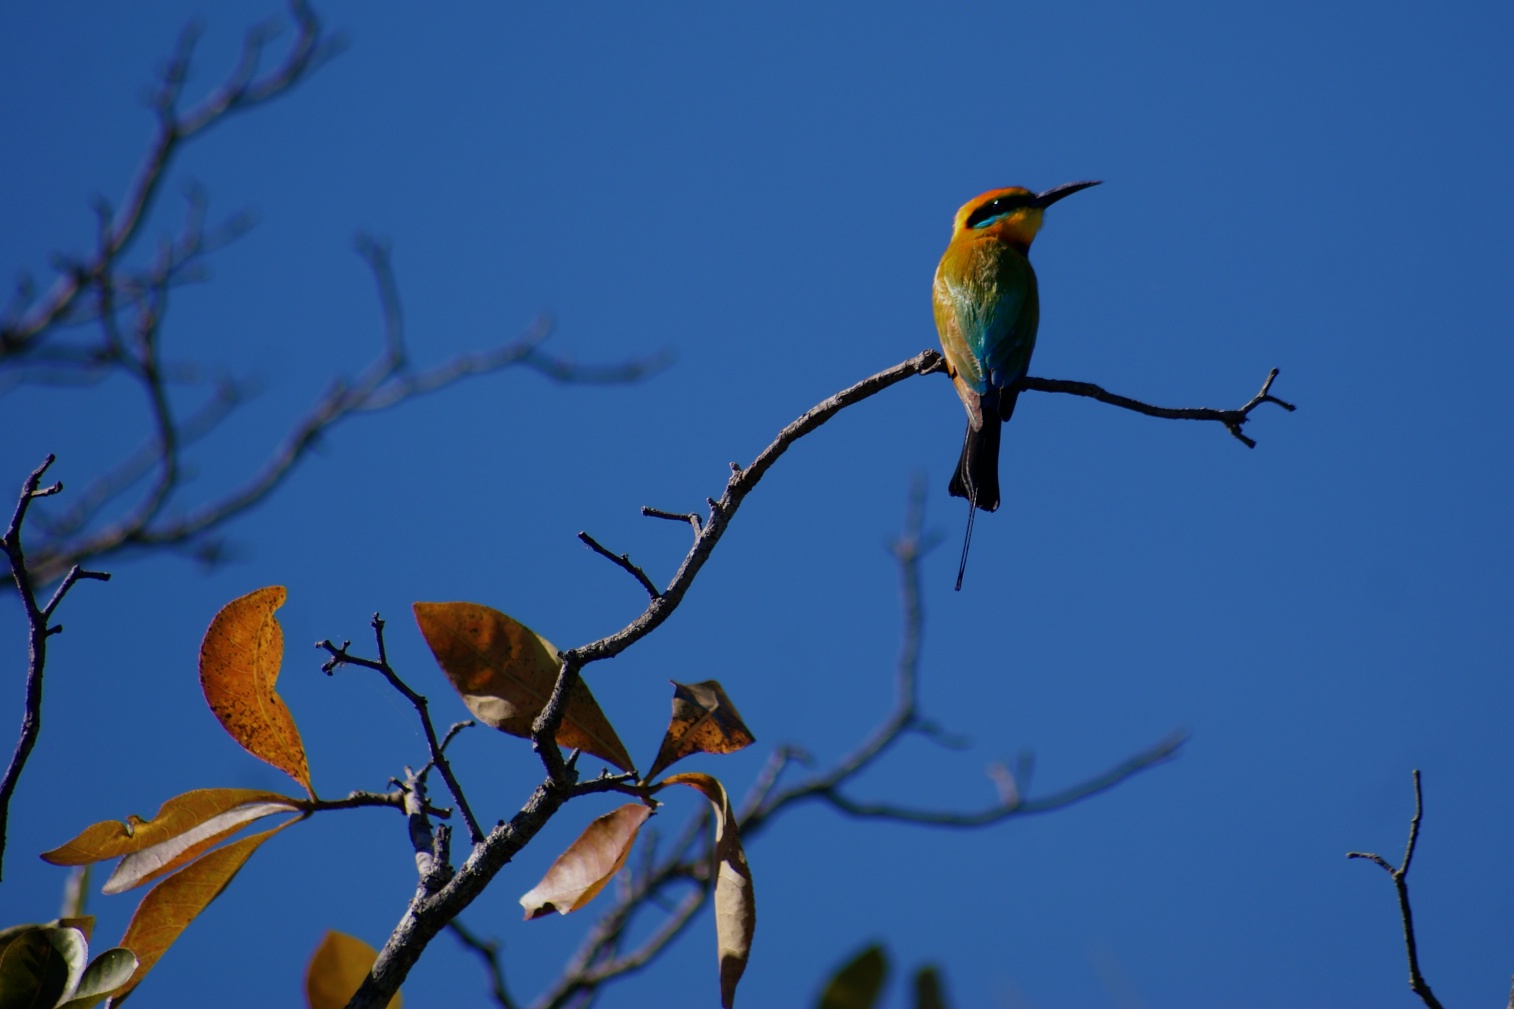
<point x="986" y="312"/>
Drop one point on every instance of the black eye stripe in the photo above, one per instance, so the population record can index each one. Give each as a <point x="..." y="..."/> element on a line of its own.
<point x="997" y="208"/>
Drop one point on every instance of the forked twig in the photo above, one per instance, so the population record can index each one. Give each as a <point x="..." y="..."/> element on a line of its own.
<point x="38" y="631"/>
<point x="340" y="657"/>
<point x="1417" y="982"/>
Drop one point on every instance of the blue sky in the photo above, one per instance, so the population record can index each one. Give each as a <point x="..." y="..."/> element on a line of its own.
<point x="765" y="191"/>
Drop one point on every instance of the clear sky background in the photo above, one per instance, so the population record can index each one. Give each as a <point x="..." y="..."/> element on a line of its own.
<point x="765" y="190"/>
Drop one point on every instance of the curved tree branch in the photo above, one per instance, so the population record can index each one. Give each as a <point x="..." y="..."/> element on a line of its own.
<point x="1233" y="420"/>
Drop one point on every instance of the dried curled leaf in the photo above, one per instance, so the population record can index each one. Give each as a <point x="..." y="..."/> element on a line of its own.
<point x="704" y="721"/>
<point x="239" y="666"/>
<point x="505" y="673"/>
<point x="858" y="983"/>
<point x="185" y="826"/>
<point x="589" y="863"/>
<point x="169" y="907"/>
<point x="735" y="904"/>
<point x="337" y="969"/>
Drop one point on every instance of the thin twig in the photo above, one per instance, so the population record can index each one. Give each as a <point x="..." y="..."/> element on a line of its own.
<point x="488" y="952"/>
<point x="622" y="561"/>
<point x="1417" y="982"/>
<point x="1018" y="805"/>
<point x="362" y="800"/>
<point x="340" y="656"/>
<point x="38" y="631"/>
<point x="1232" y="419"/>
<point x="692" y="518"/>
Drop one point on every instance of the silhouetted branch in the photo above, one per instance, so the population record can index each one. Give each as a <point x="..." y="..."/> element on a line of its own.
<point x="385" y="383"/>
<point x="242" y="89"/>
<point x="623" y="561"/>
<point x="1417" y="982"/>
<point x="125" y="307"/>
<point x="340" y="657"/>
<point x="488" y="952"/>
<point x="1016" y="805"/>
<point x="38" y="631"/>
<point x="1232" y="419"/>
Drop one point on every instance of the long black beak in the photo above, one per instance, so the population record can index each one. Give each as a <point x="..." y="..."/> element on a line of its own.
<point x="1055" y="193"/>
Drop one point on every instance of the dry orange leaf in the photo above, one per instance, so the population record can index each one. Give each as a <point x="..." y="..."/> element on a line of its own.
<point x="239" y="665"/>
<point x="169" y="907"/>
<point x="505" y="673"/>
<point x="337" y="969"/>
<point x="704" y="721"/>
<point x="735" y="904"/>
<point x="589" y="863"/>
<point x="190" y="818"/>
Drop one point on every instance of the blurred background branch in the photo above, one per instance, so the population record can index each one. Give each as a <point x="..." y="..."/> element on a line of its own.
<point x="105" y="316"/>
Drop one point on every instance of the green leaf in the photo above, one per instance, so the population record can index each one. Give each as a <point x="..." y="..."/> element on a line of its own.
<point x="105" y="973"/>
<point x="39" y="966"/>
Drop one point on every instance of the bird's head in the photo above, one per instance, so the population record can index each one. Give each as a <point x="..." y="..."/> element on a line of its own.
<point x="1010" y="215"/>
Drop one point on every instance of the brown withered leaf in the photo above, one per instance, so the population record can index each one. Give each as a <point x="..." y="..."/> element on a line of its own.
<point x="505" y="673"/>
<point x="167" y="856"/>
<point x="169" y="907"/>
<point x="589" y="863"/>
<point x="704" y="721"/>
<point x="184" y="827"/>
<point x="239" y="666"/>
<point x="735" y="904"/>
<point x="337" y="969"/>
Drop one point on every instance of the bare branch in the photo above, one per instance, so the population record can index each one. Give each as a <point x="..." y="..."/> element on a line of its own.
<point x="362" y="800"/>
<point x="38" y="632"/>
<point x="128" y="305"/>
<point x="241" y="90"/>
<point x="691" y="518"/>
<point x="340" y="657"/>
<point x="1161" y="752"/>
<point x="488" y="952"/>
<point x="384" y="383"/>
<point x="1417" y="982"/>
<point x="624" y="562"/>
<point x="1232" y="419"/>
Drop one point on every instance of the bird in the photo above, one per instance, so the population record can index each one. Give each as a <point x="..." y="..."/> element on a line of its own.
<point x="987" y="311"/>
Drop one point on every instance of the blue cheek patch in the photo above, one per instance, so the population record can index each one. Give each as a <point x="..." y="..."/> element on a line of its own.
<point x="985" y="223"/>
